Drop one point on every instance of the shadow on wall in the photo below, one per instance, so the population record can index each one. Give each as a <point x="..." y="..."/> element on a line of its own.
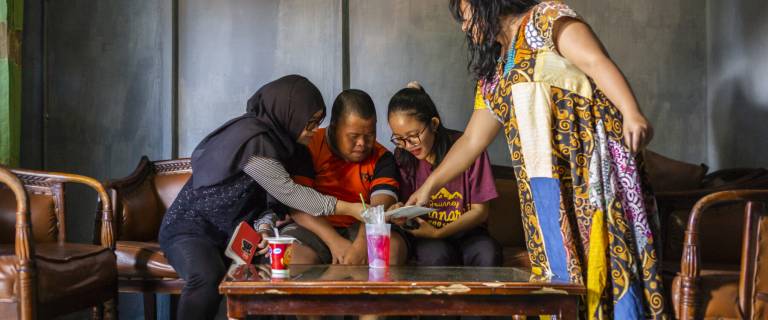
<point x="738" y="83"/>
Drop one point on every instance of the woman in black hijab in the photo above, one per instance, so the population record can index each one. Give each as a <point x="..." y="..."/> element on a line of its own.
<point x="238" y="170"/>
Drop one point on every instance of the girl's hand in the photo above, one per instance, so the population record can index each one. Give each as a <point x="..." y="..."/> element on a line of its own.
<point x="425" y="230"/>
<point x="638" y="132"/>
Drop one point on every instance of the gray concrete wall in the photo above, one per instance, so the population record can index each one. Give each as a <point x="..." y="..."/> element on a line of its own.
<point x="660" y="46"/>
<point x="737" y="96"/>
<point x="108" y="82"/>
<point x="32" y="86"/>
<point x="227" y="50"/>
<point x="393" y="42"/>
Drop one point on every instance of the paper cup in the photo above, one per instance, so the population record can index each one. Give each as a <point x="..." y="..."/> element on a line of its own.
<point x="280" y="252"/>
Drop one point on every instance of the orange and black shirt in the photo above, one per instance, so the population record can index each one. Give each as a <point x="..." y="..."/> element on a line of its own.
<point x="332" y="175"/>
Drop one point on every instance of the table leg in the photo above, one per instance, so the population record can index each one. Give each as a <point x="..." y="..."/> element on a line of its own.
<point x="234" y="308"/>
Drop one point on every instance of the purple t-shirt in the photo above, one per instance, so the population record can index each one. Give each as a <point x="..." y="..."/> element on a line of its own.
<point x="476" y="185"/>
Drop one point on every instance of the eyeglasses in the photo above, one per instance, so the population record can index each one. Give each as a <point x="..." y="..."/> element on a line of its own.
<point x="414" y="139"/>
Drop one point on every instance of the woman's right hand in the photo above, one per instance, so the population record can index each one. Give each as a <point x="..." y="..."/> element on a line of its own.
<point x="421" y="196"/>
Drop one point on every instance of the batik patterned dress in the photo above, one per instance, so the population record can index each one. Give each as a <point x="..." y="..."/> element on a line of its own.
<point x="587" y="212"/>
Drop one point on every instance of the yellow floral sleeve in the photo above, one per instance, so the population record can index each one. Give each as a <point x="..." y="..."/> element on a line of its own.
<point x="479" y="100"/>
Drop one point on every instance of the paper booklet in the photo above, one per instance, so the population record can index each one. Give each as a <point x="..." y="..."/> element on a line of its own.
<point x="409" y="212"/>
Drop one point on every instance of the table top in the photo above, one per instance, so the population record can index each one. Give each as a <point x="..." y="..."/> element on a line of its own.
<point x="351" y="280"/>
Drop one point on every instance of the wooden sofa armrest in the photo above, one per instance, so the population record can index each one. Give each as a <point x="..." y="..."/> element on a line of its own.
<point x="24" y="244"/>
<point x="691" y="258"/>
<point x="136" y="178"/>
<point x="33" y="178"/>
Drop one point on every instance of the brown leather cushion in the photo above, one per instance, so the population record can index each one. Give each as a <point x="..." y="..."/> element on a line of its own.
<point x="504" y="219"/>
<point x="63" y="271"/>
<point x="168" y="186"/>
<point x="142" y="259"/>
<point x="42" y="212"/>
<point x="8" y="263"/>
<point x="668" y="174"/>
<point x="144" y="207"/>
<point x="727" y="219"/>
<point x="718" y="294"/>
<point x="141" y="214"/>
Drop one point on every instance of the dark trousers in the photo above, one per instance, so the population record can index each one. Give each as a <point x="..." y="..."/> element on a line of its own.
<point x="202" y="266"/>
<point x="474" y="247"/>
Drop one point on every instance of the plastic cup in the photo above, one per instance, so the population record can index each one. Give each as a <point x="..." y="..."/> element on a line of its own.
<point x="378" y="244"/>
<point x="280" y="252"/>
<point x="378" y="274"/>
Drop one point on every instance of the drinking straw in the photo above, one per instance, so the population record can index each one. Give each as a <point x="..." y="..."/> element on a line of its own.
<point x="362" y="200"/>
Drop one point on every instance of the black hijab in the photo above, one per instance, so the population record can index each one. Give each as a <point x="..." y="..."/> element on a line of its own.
<point x="275" y="117"/>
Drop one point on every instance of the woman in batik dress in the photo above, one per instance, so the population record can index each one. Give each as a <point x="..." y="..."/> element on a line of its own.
<point x="575" y="133"/>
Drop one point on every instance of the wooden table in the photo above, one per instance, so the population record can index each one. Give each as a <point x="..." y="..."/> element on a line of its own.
<point x="356" y="290"/>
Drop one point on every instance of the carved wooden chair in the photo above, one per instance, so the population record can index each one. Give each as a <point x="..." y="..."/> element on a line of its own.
<point x="41" y="274"/>
<point x="140" y="201"/>
<point x="713" y="293"/>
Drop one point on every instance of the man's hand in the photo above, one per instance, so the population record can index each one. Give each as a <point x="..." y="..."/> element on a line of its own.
<point x="357" y="253"/>
<point x="339" y="248"/>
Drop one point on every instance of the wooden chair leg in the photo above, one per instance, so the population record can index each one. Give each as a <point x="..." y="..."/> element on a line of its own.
<point x="150" y="306"/>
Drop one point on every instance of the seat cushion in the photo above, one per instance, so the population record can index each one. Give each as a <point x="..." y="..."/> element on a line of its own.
<point x="718" y="294"/>
<point x="8" y="264"/>
<point x="142" y="260"/>
<point x="63" y="271"/>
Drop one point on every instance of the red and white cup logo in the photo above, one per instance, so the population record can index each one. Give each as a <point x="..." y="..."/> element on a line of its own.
<point x="280" y="252"/>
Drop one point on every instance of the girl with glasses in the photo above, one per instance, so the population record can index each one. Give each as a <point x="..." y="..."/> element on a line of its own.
<point x="455" y="233"/>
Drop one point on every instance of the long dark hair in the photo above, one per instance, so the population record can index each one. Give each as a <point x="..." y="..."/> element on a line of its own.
<point x="486" y="18"/>
<point x="415" y="102"/>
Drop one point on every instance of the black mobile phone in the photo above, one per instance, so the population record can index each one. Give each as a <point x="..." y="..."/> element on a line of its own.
<point x="411" y="224"/>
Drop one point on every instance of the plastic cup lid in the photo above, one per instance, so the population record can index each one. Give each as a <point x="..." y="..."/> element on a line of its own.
<point x="281" y="239"/>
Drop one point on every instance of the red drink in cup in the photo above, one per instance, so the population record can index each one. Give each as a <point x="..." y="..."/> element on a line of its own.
<point x="378" y="244"/>
<point x="280" y="252"/>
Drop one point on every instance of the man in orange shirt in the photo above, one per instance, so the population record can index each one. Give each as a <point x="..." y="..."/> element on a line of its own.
<point x="346" y="162"/>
